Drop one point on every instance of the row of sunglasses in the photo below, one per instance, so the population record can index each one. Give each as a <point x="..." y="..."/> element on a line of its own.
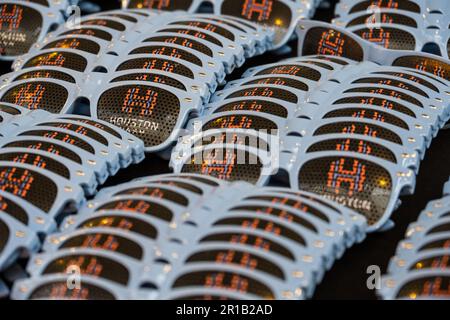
<point x="49" y="164"/>
<point x="402" y="25"/>
<point x="420" y="267"/>
<point x="356" y="138"/>
<point x="162" y="77"/>
<point x="27" y="22"/>
<point x="192" y="237"/>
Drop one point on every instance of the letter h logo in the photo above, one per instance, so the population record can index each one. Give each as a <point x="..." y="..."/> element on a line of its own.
<point x="263" y="9"/>
<point x="354" y="177"/>
<point x="12" y="18"/>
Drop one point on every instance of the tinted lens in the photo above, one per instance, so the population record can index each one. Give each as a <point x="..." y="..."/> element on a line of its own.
<point x="46" y="146"/>
<point x="20" y="28"/>
<point x="224" y="280"/>
<point x="390" y="18"/>
<point x="182" y="185"/>
<point x="388" y="4"/>
<point x="182" y="41"/>
<point x="250" y="240"/>
<point x="4" y="235"/>
<point x="240" y="122"/>
<point x="225" y="164"/>
<point x="157" y="64"/>
<point x="169" y="51"/>
<point x="159" y="193"/>
<point x="434" y="262"/>
<point x="111" y="24"/>
<point x="380" y="102"/>
<point x="393" y="83"/>
<point x="410" y="77"/>
<point x="37" y="160"/>
<point x="239" y="138"/>
<point x="10" y="110"/>
<point x="148" y="112"/>
<point x="437" y="244"/>
<point x="319" y="40"/>
<point x="104" y="241"/>
<point x="92" y="32"/>
<point x="60" y="290"/>
<point x="424" y="287"/>
<point x="194" y="33"/>
<point x="292" y="70"/>
<point x="14" y="210"/>
<point x="207" y="26"/>
<point x="358" y="184"/>
<point x="75" y="43"/>
<point x="68" y="60"/>
<point x="268" y="12"/>
<point x="122" y="222"/>
<point x="445" y="227"/>
<point x="79" y="129"/>
<point x="280" y="213"/>
<point x="281" y="81"/>
<point x="96" y="124"/>
<point x="29" y="185"/>
<point x="265" y="92"/>
<point x="96" y="266"/>
<point x="169" y="5"/>
<point x="359" y="128"/>
<point x="365" y="113"/>
<point x="157" y="78"/>
<point x="60" y="136"/>
<point x="429" y="65"/>
<point x="58" y="75"/>
<point x="239" y="258"/>
<point x="38" y="95"/>
<point x="354" y="145"/>
<point x="256" y="106"/>
<point x="389" y="38"/>
<point x="297" y="204"/>
<point x="139" y="206"/>
<point x="264" y="225"/>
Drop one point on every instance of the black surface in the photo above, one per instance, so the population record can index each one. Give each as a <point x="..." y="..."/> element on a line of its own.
<point x="347" y="278"/>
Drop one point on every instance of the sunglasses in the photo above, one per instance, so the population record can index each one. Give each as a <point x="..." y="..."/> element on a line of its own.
<point x="321" y="38"/>
<point x="279" y="15"/>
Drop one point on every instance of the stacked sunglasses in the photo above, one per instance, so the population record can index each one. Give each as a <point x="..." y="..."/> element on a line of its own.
<point x="420" y="267"/>
<point x="352" y="132"/>
<point x="143" y="71"/>
<point x="48" y="165"/>
<point x="278" y="15"/>
<point x="418" y="25"/>
<point x="192" y="236"/>
<point x="22" y="23"/>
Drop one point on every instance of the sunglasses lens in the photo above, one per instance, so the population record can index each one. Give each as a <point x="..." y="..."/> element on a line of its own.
<point x="60" y="136"/>
<point x="391" y="18"/>
<point x="224" y="280"/>
<point x="52" y="74"/>
<point x="14" y="210"/>
<point x="372" y="101"/>
<point x="331" y="42"/>
<point x="358" y="184"/>
<point x="287" y="82"/>
<point x="225" y="164"/>
<point x="111" y="24"/>
<point x="239" y="258"/>
<point x="292" y="70"/>
<point x="31" y="186"/>
<point x="105" y="241"/>
<point x="170" y="5"/>
<point x="122" y="222"/>
<point x="160" y="193"/>
<point x="60" y="290"/>
<point x="265" y="92"/>
<point x="256" y="106"/>
<point x="390" y="38"/>
<point x="139" y="206"/>
<point x="182" y="41"/>
<point x="37" y="95"/>
<point x="68" y="60"/>
<point x="429" y="65"/>
<point x="91" y="265"/>
<point x="46" y="146"/>
<point x="147" y="112"/>
<point x="241" y="122"/>
<point x="425" y="287"/>
<point x="354" y="145"/>
<point x="91" y="32"/>
<point x="250" y="240"/>
<point x="157" y="78"/>
<point x="75" y="43"/>
<point x="388" y="4"/>
<point x="21" y="26"/>
<point x="438" y="244"/>
<point x="4" y="235"/>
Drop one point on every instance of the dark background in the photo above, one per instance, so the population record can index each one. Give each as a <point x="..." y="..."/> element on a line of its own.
<point x="347" y="278"/>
